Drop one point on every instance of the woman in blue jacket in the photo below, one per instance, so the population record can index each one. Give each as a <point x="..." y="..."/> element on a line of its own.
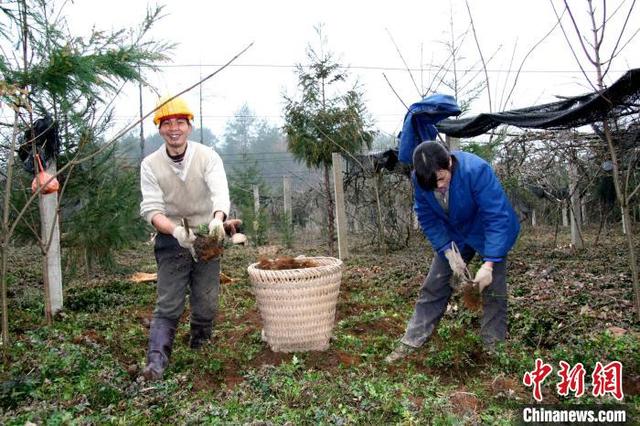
<point x="462" y="210"/>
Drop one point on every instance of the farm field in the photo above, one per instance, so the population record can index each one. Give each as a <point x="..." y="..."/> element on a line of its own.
<point x="564" y="306"/>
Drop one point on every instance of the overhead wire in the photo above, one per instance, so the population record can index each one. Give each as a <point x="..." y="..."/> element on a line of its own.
<point x="384" y="68"/>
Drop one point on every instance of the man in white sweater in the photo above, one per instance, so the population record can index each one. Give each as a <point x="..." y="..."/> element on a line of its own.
<point x="182" y="179"/>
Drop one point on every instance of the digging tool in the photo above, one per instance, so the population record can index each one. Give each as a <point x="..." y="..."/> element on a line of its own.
<point x="185" y="223"/>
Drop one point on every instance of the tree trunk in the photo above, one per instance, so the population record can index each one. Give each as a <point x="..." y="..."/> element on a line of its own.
<point x="5" y="310"/>
<point x="624" y="207"/>
<point x="574" y="211"/>
<point x="5" y="240"/>
<point x="330" y="210"/>
<point x="565" y="219"/>
<point x="632" y="259"/>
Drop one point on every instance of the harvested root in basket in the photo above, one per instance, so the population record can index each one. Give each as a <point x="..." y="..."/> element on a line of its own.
<point x="285" y="262"/>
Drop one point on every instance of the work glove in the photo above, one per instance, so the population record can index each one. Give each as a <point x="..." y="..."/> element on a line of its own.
<point x="456" y="263"/>
<point x="216" y="229"/>
<point x="185" y="239"/>
<point x="484" y="277"/>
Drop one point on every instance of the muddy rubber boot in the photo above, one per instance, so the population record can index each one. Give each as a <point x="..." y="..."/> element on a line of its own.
<point x="161" y="335"/>
<point x="200" y="335"/>
<point x="400" y="352"/>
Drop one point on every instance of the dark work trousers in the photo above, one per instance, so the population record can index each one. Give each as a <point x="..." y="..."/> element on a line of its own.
<point x="177" y="273"/>
<point x="435" y="294"/>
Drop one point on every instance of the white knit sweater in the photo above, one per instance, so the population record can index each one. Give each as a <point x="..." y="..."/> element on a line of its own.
<point x="194" y="189"/>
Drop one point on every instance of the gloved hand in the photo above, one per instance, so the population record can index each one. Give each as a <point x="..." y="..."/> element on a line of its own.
<point x="216" y="229"/>
<point x="484" y="276"/>
<point x="456" y="263"/>
<point x="185" y="239"/>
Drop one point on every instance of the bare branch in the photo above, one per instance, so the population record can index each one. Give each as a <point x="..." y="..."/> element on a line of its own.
<point x="598" y="38"/>
<point x="515" y="81"/>
<point x="604" y="18"/>
<point x="404" y="62"/>
<point x="501" y="105"/>
<point x="566" y="37"/>
<point x="577" y="30"/>
<point x="614" y="51"/>
<point x="440" y="73"/>
<point x="633" y="193"/>
<point x="484" y="65"/>
<point x="394" y="92"/>
<point x="421" y="68"/>
<point x="5" y="239"/>
<point x="443" y="67"/>
<point x="615" y="12"/>
<point x="622" y="47"/>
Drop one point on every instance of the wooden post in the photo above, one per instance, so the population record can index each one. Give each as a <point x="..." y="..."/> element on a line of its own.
<point x="533" y="218"/>
<point x="341" y="216"/>
<point x="452" y="143"/>
<point x="286" y="190"/>
<point x="52" y="269"/>
<point x="256" y="207"/>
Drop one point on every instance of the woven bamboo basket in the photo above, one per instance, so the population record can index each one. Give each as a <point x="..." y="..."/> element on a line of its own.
<point x="298" y="306"/>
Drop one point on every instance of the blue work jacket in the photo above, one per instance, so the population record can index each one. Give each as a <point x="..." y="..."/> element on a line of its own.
<point x="480" y="215"/>
<point x="419" y="123"/>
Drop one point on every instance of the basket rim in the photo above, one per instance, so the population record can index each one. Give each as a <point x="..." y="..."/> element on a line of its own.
<point x="336" y="262"/>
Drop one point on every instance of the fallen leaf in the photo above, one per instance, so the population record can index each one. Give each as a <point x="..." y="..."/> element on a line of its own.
<point x="617" y="331"/>
<point x="143" y="277"/>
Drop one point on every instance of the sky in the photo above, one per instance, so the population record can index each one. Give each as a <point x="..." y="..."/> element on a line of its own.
<point x="364" y="36"/>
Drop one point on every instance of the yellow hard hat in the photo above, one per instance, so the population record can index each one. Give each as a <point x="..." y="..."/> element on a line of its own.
<point x="175" y="108"/>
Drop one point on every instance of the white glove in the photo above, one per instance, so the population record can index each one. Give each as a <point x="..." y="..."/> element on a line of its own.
<point x="484" y="276"/>
<point x="216" y="229"/>
<point x="185" y="239"/>
<point x="456" y="263"/>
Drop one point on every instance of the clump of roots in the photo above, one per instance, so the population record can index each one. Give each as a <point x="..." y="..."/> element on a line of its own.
<point x="471" y="296"/>
<point x="285" y="262"/>
<point x="207" y="247"/>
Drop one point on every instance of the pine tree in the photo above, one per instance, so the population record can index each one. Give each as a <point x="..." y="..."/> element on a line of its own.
<point x="326" y="118"/>
<point x="73" y="80"/>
